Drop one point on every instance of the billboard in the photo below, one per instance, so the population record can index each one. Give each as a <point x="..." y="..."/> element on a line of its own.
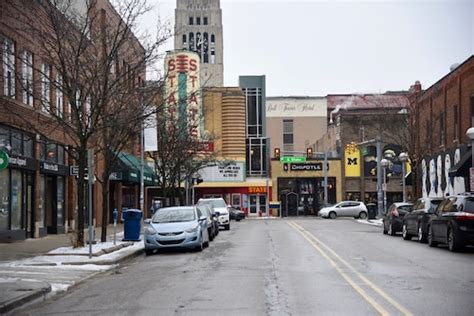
<point x="183" y="90"/>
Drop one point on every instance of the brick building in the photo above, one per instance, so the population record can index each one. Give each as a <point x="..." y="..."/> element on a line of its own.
<point x="440" y="117"/>
<point x="360" y="118"/>
<point x="37" y="193"/>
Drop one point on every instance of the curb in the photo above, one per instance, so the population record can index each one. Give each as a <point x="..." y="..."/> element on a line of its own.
<point x="45" y="292"/>
<point x="22" y="300"/>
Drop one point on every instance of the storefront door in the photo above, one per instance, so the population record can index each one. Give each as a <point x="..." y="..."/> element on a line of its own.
<point x="257" y="204"/>
<point x="51" y="205"/>
<point x="28" y="202"/>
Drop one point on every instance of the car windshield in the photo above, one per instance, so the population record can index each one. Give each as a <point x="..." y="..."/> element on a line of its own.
<point x="405" y="208"/>
<point x="174" y="215"/>
<point x="434" y="204"/>
<point x="469" y="205"/>
<point x="218" y="203"/>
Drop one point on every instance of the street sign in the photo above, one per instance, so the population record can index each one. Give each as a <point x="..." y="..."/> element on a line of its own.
<point x="74" y="170"/>
<point x="293" y="159"/>
<point x="4" y="160"/>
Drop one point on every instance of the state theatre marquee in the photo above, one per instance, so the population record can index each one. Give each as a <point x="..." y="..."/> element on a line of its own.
<point x="223" y="172"/>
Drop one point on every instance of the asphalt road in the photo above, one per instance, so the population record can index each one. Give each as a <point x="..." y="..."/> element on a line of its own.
<point x="283" y="267"/>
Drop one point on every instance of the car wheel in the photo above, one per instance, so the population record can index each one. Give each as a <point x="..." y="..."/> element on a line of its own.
<point x="148" y="252"/>
<point x="200" y="247"/>
<point x="362" y="215"/>
<point x="227" y="227"/>
<point x="453" y="241"/>
<point x="431" y="241"/>
<point x="405" y="234"/>
<point x="421" y="236"/>
<point x="332" y="215"/>
<point x="391" y="231"/>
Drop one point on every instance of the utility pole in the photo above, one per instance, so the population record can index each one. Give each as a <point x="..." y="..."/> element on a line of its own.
<point x="380" y="202"/>
<point x="325" y="172"/>
<point x="90" y="183"/>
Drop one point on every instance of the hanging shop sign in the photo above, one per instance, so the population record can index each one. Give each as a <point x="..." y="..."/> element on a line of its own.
<point x="4" y="160"/>
<point x="293" y="159"/>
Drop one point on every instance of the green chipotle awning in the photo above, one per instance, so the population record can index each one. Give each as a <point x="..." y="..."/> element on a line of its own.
<point x="128" y="169"/>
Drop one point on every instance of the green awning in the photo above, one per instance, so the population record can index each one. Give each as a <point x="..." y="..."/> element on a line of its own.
<point x="129" y="170"/>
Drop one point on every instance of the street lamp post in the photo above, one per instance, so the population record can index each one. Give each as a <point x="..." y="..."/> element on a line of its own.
<point x="403" y="158"/>
<point x="384" y="164"/>
<point x="470" y="134"/>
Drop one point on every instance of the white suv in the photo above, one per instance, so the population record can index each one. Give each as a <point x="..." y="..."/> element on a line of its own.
<point x="220" y="207"/>
<point x="345" y="208"/>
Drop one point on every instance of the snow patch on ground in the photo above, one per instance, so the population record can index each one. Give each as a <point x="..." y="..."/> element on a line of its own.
<point x="56" y="287"/>
<point x="85" y="250"/>
<point x="373" y="222"/>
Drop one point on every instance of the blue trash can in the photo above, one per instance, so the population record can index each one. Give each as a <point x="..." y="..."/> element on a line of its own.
<point x="131" y="224"/>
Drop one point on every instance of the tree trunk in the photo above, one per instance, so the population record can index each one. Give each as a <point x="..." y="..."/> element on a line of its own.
<point x="105" y="205"/>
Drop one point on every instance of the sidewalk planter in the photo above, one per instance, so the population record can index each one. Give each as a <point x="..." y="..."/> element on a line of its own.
<point x="131" y="224"/>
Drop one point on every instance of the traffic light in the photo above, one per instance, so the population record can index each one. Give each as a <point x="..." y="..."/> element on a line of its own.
<point x="309" y="153"/>
<point x="351" y="147"/>
<point x="276" y="153"/>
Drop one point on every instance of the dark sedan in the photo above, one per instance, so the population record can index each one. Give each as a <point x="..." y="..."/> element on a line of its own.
<point x="236" y="214"/>
<point x="453" y="222"/>
<point x="392" y="220"/>
<point x="416" y="222"/>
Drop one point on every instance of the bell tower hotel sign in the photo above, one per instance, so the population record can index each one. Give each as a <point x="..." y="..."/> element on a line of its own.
<point x="183" y="90"/>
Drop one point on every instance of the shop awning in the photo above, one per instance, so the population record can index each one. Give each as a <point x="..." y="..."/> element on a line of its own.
<point x="461" y="169"/>
<point x="129" y="170"/>
<point x="237" y="184"/>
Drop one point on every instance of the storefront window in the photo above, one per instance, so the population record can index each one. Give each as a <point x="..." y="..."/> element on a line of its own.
<point x="16" y="141"/>
<point x="42" y="200"/>
<point x="51" y="154"/>
<point x="4" y="136"/>
<point x="4" y="200"/>
<point x="60" y="201"/>
<point x="60" y="154"/>
<point x="16" y="190"/>
<point x="27" y="146"/>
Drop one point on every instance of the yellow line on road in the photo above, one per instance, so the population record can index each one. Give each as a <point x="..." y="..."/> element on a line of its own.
<point x="379" y="291"/>
<point x="357" y="288"/>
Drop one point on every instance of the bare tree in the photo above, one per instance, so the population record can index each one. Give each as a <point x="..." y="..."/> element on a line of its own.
<point x="96" y="66"/>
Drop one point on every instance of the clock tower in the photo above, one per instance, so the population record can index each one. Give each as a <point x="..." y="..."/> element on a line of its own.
<point x="198" y="28"/>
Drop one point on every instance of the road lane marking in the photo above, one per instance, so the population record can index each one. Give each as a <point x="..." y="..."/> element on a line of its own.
<point x="356" y="287"/>
<point x="379" y="291"/>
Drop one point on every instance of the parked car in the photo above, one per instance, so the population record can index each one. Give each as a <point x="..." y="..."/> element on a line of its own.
<point x="212" y="221"/>
<point x="416" y="222"/>
<point x="184" y="226"/>
<point x="393" y="219"/>
<point x="453" y="222"/>
<point x="220" y="207"/>
<point x="345" y="208"/>
<point x="236" y="214"/>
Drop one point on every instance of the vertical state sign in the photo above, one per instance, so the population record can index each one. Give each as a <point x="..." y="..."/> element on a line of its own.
<point x="183" y="90"/>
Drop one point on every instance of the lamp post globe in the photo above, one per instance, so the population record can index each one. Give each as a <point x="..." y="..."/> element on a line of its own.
<point x="384" y="162"/>
<point x="470" y="133"/>
<point x="403" y="157"/>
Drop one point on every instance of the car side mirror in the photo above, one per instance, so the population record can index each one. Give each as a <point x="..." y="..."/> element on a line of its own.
<point x="147" y="221"/>
<point x="218" y="214"/>
<point x="202" y="218"/>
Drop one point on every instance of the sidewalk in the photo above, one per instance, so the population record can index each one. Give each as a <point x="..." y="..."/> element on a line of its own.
<point x="35" y="269"/>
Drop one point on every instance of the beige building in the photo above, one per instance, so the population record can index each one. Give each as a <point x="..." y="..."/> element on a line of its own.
<point x="198" y="28"/>
<point x="295" y="123"/>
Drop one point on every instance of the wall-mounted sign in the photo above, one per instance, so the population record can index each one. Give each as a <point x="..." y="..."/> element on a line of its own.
<point x="4" y="160"/>
<point x="293" y="159"/>
<point x="257" y="190"/>
<point x="183" y="88"/>
<point x="223" y="172"/>
<point x="352" y="162"/>
<point x="54" y="168"/>
<point x="317" y="166"/>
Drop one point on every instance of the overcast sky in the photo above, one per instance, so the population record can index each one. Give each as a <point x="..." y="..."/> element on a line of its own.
<point x="323" y="47"/>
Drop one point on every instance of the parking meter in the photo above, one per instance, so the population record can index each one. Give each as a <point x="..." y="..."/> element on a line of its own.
<point x="115" y="216"/>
